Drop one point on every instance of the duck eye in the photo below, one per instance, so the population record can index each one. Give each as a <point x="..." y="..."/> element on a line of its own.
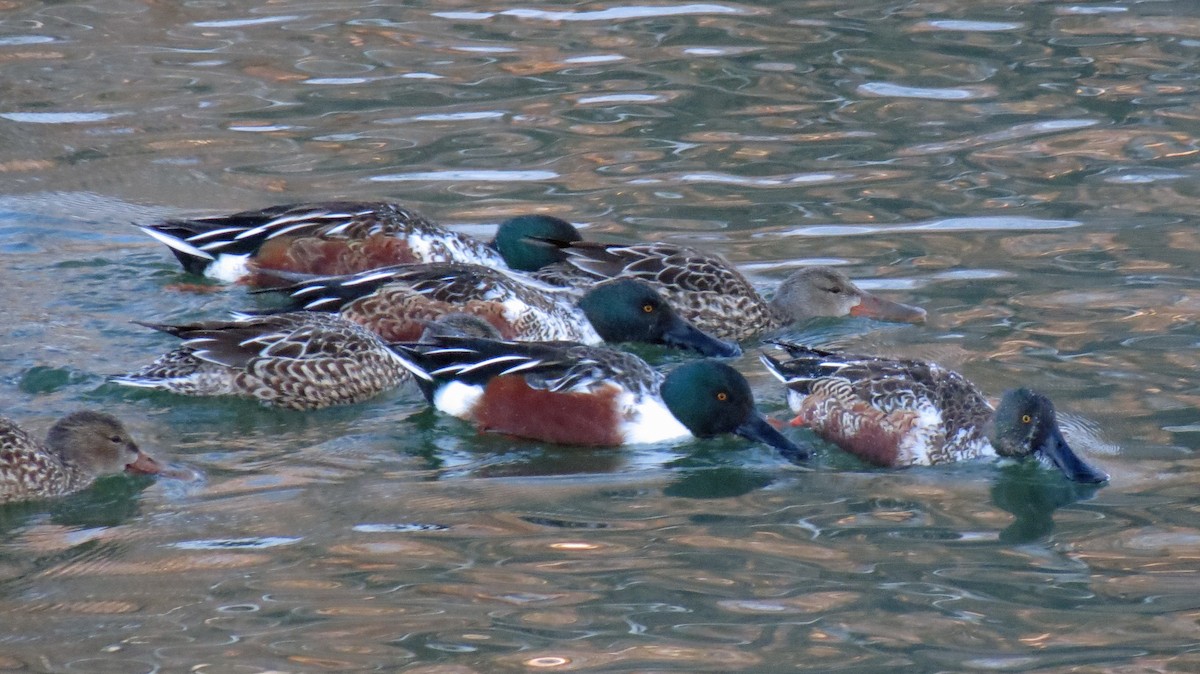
<point x="1025" y="418"/>
<point x="115" y="438"/>
<point x="648" y="308"/>
<point x="722" y="396"/>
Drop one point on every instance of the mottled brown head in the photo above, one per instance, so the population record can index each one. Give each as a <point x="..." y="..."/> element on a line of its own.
<point x="99" y="444"/>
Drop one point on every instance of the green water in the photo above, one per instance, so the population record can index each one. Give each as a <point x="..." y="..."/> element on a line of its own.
<point x="1023" y="170"/>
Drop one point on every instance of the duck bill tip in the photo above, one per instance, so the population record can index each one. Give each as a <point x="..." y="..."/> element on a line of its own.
<point x="758" y="429"/>
<point x="1058" y="452"/>
<point x="880" y="309"/>
<point x="144" y="465"/>
<point x="684" y="335"/>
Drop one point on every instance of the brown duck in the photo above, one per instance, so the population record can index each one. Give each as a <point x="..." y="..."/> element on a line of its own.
<point x="79" y="448"/>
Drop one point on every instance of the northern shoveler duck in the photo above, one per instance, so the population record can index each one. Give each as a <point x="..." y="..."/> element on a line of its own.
<point x="297" y="360"/>
<point x="907" y="412"/>
<point x="79" y="448"/>
<point x="585" y="395"/>
<point x="705" y="288"/>
<point x="340" y="237"/>
<point x="395" y="302"/>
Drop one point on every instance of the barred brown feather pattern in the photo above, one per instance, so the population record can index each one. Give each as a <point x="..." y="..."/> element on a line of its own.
<point x="712" y="312"/>
<point x="301" y="360"/>
<point x="888" y="412"/>
<point x="398" y="300"/>
<point x="702" y="287"/>
<point x="30" y="469"/>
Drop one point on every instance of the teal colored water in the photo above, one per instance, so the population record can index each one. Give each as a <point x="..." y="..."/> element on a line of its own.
<point x="1026" y="171"/>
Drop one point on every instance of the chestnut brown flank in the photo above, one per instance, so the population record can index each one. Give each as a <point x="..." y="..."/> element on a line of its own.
<point x="857" y="428"/>
<point x="509" y="405"/>
<point x="399" y="315"/>
<point x="315" y="255"/>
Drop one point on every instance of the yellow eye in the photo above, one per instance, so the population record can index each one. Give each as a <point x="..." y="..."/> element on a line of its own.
<point x="722" y="396"/>
<point x="648" y="308"/>
<point x="1025" y="418"/>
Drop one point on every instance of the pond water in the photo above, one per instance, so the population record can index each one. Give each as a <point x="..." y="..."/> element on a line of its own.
<point x="1027" y="171"/>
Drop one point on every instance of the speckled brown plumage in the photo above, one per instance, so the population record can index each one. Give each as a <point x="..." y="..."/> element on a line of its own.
<point x="714" y="296"/>
<point x="397" y="302"/>
<point x="79" y="448"/>
<point x="908" y="412"/>
<point x="888" y="412"/>
<point x="299" y="360"/>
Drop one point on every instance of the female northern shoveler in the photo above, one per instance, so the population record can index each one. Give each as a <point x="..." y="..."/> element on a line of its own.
<point x="337" y="237"/>
<point x="584" y="395"/>
<point x="79" y="448"/>
<point x="298" y="360"/>
<point x="706" y="289"/>
<point x="907" y="412"/>
<point x="395" y="302"/>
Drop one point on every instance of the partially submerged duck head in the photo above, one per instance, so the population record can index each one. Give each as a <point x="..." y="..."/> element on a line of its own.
<point x="1025" y="425"/>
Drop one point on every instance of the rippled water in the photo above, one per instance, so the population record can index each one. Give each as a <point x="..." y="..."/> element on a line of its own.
<point x="1024" y="170"/>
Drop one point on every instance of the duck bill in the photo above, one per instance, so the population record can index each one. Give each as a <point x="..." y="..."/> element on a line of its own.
<point x="758" y="429"/>
<point x="683" y="335"/>
<point x="880" y="309"/>
<point x="1055" y="449"/>
<point x="144" y="465"/>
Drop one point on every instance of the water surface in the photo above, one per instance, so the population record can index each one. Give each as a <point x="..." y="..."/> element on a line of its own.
<point x="1024" y="170"/>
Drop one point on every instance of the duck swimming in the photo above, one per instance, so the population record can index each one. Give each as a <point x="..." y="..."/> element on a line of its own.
<point x="702" y="286"/>
<point x="395" y="302"/>
<point x="298" y="360"/>
<point x="78" y="448"/>
<point x="895" y="413"/>
<point x="334" y="238"/>
<point x="585" y="395"/>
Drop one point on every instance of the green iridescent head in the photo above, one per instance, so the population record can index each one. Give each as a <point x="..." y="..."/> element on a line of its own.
<point x="626" y="310"/>
<point x="711" y="398"/>
<point x="528" y="242"/>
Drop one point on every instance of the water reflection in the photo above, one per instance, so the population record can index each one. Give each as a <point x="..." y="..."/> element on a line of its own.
<point x="1023" y="170"/>
<point x="1032" y="494"/>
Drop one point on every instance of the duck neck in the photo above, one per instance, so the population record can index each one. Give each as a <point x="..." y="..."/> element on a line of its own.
<point x="777" y="316"/>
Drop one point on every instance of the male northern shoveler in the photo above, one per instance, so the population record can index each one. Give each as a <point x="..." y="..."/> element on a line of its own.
<point x="298" y="360"/>
<point x="338" y="237"/>
<point x="585" y="395"/>
<point x="79" y="448"/>
<point x="395" y="302"/>
<point x="907" y="412"/>
<point x="706" y="289"/>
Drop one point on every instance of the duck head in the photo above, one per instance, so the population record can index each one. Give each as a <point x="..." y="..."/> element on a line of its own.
<point x="711" y="398"/>
<point x="99" y="444"/>
<point x="528" y="242"/>
<point x="1025" y="425"/>
<point x="626" y="310"/>
<point x="824" y="291"/>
